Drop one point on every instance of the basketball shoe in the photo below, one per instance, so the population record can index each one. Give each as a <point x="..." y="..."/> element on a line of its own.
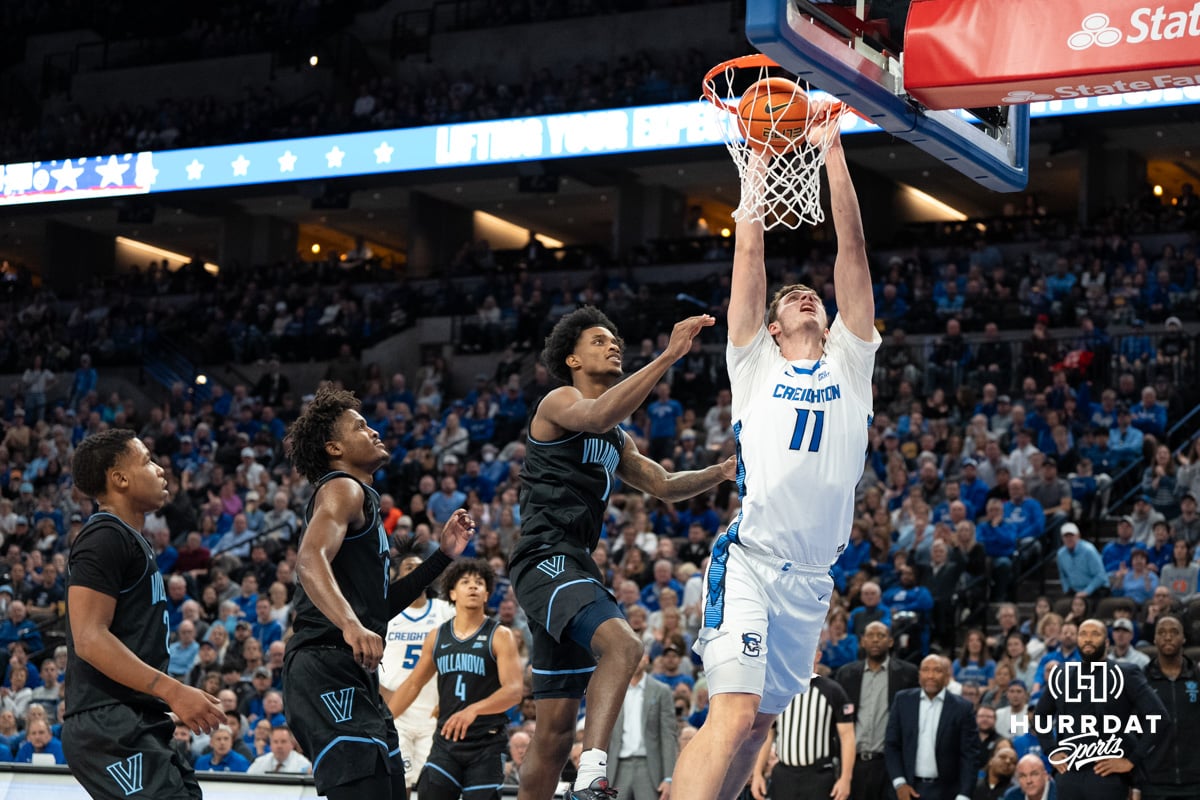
<point x="596" y="790"/>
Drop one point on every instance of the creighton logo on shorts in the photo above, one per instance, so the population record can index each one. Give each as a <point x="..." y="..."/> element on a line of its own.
<point x="553" y="566"/>
<point x="752" y="643"/>
<point x="127" y="774"/>
<point x="340" y="704"/>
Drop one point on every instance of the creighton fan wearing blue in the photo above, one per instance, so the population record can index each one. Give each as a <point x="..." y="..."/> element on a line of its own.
<point x="344" y="602"/>
<point x="478" y="679"/>
<point x="801" y="407"/>
<point x="406" y="633"/>
<point x="117" y="734"/>
<point x="575" y="451"/>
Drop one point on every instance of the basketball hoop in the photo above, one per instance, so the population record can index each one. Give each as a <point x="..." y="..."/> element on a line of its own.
<point x="777" y="136"/>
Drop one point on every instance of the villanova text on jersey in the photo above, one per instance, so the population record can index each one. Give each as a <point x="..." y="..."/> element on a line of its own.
<point x="461" y="662"/>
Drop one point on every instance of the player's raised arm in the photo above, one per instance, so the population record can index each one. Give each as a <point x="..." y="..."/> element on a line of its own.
<point x="338" y="505"/>
<point x="851" y="271"/>
<point x="748" y="289"/>
<point x="646" y="475"/>
<point x="567" y="409"/>
<point x="407" y="692"/>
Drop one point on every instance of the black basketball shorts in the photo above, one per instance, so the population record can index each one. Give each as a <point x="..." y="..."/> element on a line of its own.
<point x="117" y="752"/>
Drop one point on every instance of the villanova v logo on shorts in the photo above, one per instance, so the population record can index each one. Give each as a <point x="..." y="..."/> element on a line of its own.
<point x="553" y="566"/>
<point x="340" y="704"/>
<point x="127" y="774"/>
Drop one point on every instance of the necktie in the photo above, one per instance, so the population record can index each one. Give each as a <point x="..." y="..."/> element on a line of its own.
<point x="278" y="767"/>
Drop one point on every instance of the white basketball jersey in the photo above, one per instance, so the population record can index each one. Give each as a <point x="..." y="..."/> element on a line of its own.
<point x="406" y="634"/>
<point x="801" y="429"/>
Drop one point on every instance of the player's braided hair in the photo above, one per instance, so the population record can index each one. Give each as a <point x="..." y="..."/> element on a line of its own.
<point x="306" y="440"/>
<point x="562" y="340"/>
<point x="95" y="456"/>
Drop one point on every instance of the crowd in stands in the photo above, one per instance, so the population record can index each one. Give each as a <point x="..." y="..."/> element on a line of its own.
<point x="973" y="476"/>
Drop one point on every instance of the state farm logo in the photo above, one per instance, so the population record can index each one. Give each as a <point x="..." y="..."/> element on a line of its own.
<point x="1146" y="24"/>
<point x="1095" y="31"/>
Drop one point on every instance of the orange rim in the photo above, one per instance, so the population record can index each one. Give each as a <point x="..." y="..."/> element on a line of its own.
<point x="749" y="62"/>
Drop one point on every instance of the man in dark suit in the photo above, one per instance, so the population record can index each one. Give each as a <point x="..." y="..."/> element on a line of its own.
<point x="1093" y="691"/>
<point x="931" y="743"/>
<point x="871" y="685"/>
<point x="645" y="739"/>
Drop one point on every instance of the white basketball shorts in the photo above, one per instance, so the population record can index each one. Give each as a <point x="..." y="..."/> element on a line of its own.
<point x="416" y="740"/>
<point x="762" y="623"/>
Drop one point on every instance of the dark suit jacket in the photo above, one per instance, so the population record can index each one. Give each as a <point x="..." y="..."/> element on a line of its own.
<point x="1014" y="792"/>
<point x="955" y="744"/>
<point x="660" y="732"/>
<point x="901" y="675"/>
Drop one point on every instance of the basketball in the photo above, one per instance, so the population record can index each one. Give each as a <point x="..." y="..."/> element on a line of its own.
<point x="774" y="115"/>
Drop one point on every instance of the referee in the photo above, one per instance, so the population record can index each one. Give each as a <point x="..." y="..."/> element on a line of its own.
<point x="814" y="741"/>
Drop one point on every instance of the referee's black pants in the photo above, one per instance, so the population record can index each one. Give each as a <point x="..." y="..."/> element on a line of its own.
<point x="814" y="782"/>
<point x="870" y="780"/>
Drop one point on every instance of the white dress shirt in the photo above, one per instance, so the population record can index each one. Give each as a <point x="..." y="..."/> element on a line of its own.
<point x="633" y="742"/>
<point x="930" y="714"/>
<point x="294" y="764"/>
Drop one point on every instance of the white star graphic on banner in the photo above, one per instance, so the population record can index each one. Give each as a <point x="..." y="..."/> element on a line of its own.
<point x="67" y="176"/>
<point x="240" y="166"/>
<point x="383" y="153"/>
<point x="112" y="172"/>
<point x="287" y="162"/>
<point x="194" y="170"/>
<point x="335" y="156"/>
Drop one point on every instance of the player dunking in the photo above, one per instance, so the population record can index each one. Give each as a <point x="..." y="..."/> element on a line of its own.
<point x="801" y="407"/>
<point x="117" y="735"/>
<point x="478" y="679"/>
<point x="406" y="632"/>
<point x="343" y="604"/>
<point x="581" y="640"/>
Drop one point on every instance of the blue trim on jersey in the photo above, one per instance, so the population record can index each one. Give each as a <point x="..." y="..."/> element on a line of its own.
<point x="714" y="606"/>
<point x="480" y="787"/>
<point x="395" y="752"/>
<point x="557" y="589"/>
<point x="358" y="739"/>
<point x="449" y="777"/>
<point x="428" y="611"/>
<point x="575" y="435"/>
<point x="798" y="371"/>
<point x="491" y="636"/>
<point x="580" y="671"/>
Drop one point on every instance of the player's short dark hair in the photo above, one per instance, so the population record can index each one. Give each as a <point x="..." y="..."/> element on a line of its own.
<point x="562" y="339"/>
<point x="306" y="440"/>
<point x="784" y="291"/>
<point x="95" y="456"/>
<point x="468" y="566"/>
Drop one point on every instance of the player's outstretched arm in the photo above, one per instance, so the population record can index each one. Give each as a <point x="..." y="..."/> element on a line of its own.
<point x="457" y="531"/>
<point x="339" y="503"/>
<point x="512" y="687"/>
<point x="567" y="409"/>
<point x="406" y="692"/>
<point x="91" y="615"/>
<point x="851" y="271"/>
<point x="647" y="475"/>
<point x="748" y="288"/>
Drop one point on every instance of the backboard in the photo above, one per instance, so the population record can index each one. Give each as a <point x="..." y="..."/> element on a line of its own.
<point x="853" y="51"/>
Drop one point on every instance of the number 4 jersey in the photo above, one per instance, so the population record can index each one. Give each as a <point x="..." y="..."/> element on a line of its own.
<point x="406" y="634"/>
<point x="801" y="429"/>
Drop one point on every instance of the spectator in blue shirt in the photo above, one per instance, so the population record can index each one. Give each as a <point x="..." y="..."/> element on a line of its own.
<point x="1066" y="651"/>
<point x="1136" y="582"/>
<point x="663" y="579"/>
<point x="222" y="758"/>
<point x="183" y="651"/>
<point x="664" y="416"/>
<point x="1080" y="568"/>
<point x="264" y="628"/>
<point x="1148" y="416"/>
<point x="19" y="628"/>
<point x="39" y="741"/>
<point x="871" y="610"/>
<point x="1125" y="441"/>
<point x="1136" y="351"/>
<point x="973" y="490"/>
<point x="1061" y="282"/>
<point x="1118" y="553"/>
<point x="999" y="538"/>
<point x="840" y="647"/>
<point x="1025" y="513"/>
<point x="444" y="503"/>
<point x="1162" y="552"/>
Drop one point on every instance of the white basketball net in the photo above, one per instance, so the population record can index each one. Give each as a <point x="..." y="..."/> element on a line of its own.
<point x="778" y="188"/>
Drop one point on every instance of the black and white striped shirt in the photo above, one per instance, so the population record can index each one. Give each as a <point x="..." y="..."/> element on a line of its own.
<point x="806" y="732"/>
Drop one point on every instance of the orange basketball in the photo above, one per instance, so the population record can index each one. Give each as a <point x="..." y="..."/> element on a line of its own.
<point x="773" y="113"/>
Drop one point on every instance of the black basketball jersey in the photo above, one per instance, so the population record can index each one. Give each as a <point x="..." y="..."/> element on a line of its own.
<point x="360" y="569"/>
<point x="110" y="557"/>
<point x="564" y="491"/>
<point x="467" y="673"/>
